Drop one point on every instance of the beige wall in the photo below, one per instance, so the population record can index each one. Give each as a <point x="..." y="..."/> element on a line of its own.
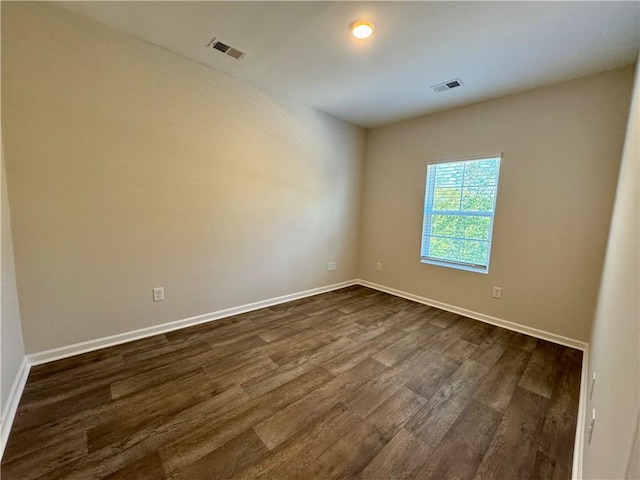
<point x="11" y="343"/>
<point x="131" y="167"/>
<point x="615" y="340"/>
<point x="562" y="147"/>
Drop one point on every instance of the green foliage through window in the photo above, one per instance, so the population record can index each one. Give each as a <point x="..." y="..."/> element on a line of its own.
<point x="459" y="206"/>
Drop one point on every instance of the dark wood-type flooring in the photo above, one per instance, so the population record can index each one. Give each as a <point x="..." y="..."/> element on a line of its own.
<point x="351" y="383"/>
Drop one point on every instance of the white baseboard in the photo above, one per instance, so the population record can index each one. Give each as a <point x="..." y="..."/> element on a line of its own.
<point x="91" y="345"/>
<point x="578" y="447"/>
<point x="96" y="344"/>
<point x="13" y="400"/>
<point x="516" y="327"/>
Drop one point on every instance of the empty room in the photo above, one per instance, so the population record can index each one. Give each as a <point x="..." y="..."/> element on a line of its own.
<point x="320" y="240"/>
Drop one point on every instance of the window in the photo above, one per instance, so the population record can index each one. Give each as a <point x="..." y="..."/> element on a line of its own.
<point x="460" y="200"/>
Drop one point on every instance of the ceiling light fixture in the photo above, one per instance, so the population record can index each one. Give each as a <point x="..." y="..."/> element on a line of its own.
<point x="362" y="29"/>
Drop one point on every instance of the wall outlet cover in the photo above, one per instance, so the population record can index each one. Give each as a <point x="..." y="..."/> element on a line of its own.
<point x="158" y="294"/>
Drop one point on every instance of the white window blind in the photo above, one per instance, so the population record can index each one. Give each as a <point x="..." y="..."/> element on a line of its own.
<point x="460" y="199"/>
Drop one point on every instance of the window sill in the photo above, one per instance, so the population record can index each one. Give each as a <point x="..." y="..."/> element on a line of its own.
<point x="457" y="266"/>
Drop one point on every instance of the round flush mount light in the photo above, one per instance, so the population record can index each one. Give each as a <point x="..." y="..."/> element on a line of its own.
<point x="362" y="29"/>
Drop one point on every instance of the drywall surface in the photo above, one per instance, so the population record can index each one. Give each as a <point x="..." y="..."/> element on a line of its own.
<point x="615" y="341"/>
<point x="11" y="346"/>
<point x="130" y="167"/>
<point x="561" y="150"/>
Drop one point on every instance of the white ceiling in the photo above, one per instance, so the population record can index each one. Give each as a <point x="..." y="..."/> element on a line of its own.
<point x="304" y="49"/>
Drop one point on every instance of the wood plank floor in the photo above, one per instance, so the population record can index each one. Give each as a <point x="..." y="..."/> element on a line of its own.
<point x="351" y="383"/>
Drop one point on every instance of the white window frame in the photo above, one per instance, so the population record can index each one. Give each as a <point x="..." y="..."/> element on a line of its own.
<point x="426" y="220"/>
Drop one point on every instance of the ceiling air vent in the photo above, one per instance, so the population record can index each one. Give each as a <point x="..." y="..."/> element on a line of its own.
<point x="442" y="87"/>
<point x="226" y="49"/>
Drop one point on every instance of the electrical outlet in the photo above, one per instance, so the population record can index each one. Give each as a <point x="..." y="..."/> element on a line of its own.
<point x="497" y="292"/>
<point x="331" y="266"/>
<point x="158" y="294"/>
<point x="379" y="266"/>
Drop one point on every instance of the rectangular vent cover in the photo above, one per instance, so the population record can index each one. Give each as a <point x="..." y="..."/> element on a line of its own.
<point x="442" y="87"/>
<point x="226" y="49"/>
